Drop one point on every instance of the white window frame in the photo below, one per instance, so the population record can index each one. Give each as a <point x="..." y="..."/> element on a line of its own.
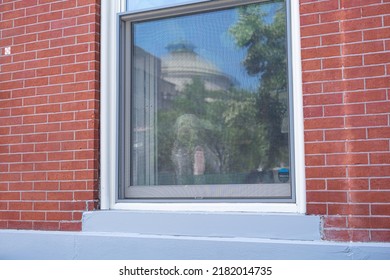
<point x="109" y="131"/>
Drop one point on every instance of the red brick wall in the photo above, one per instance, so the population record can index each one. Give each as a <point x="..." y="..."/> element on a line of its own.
<point x="346" y="67"/>
<point x="49" y="105"/>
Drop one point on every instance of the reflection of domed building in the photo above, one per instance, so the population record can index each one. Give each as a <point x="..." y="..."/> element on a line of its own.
<point x="183" y="64"/>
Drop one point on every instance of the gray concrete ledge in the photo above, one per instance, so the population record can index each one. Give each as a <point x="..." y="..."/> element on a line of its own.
<point x="44" y="245"/>
<point x="242" y="225"/>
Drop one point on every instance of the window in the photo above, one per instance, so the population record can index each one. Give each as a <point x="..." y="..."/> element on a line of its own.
<point x="206" y="103"/>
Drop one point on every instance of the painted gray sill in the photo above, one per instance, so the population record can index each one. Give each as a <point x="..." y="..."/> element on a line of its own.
<point x="229" y="225"/>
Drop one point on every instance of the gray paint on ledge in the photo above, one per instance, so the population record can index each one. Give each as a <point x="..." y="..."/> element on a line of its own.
<point x="243" y="225"/>
<point x="43" y="245"/>
<point x="141" y="235"/>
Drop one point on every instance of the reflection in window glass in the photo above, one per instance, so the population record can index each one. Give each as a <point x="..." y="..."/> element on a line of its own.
<point x="210" y="99"/>
<point x="136" y="5"/>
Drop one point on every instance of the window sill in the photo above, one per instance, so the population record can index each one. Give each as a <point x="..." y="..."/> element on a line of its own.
<point x="205" y="224"/>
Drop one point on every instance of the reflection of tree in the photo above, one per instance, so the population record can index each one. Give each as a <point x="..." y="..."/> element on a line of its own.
<point x="266" y="57"/>
<point x="238" y="130"/>
<point x="222" y="122"/>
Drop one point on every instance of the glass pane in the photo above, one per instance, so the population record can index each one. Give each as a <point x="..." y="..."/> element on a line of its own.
<point x="138" y="5"/>
<point x="210" y="98"/>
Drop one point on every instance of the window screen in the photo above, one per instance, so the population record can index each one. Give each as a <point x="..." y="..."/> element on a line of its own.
<point x="205" y="103"/>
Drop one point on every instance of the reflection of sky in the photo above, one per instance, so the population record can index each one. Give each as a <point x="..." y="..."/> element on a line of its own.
<point x="208" y="32"/>
<point x="136" y="5"/>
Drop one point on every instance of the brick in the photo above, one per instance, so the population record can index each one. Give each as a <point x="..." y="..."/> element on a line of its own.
<point x="62" y="23"/>
<point x="46" y="206"/>
<point x="73" y="206"/>
<point x="32" y="216"/>
<point x="37" y="46"/>
<point x="310" y="42"/>
<point x="347" y="159"/>
<point x="21" y="167"/>
<point x="325" y="172"/>
<point x="380" y="183"/>
<point x="60" y="176"/>
<point x="380" y="209"/>
<point x="378" y="107"/>
<point x="79" y="11"/>
<point x="369" y="222"/>
<point x="20" y="206"/>
<point x="319" y="29"/>
<point x="59" y="216"/>
<point x="25" y="4"/>
<point x="60" y="195"/>
<point x="46" y="225"/>
<point x="75" y="106"/>
<point x="357" y="3"/>
<point x="75" y="87"/>
<point x="380" y="158"/>
<point x="52" y="34"/>
<point x="341" y="15"/>
<point x="325" y="147"/>
<point x="363" y="47"/>
<point x="34" y="176"/>
<point x="368" y="171"/>
<point x="376" y="10"/>
<point x="13" y="14"/>
<point x="74" y="185"/>
<point x="86" y="175"/>
<point x="84" y="195"/>
<point x="13" y="32"/>
<point x="335" y="222"/>
<point x="82" y="29"/>
<point x="334" y="122"/>
<point x="73" y="68"/>
<point x="368" y="146"/>
<point x="346" y="85"/>
<point x="39" y="27"/>
<point x="71" y="226"/>
<point x="22" y="40"/>
<point x="327" y="51"/>
<point x="9" y="215"/>
<point x="61" y="136"/>
<point x="36" y="82"/>
<point x="316" y="160"/>
<point x="343" y="110"/>
<point x="35" y="157"/>
<point x="37" y="63"/>
<point x="318" y="6"/>
<point x="76" y="125"/>
<point x="380" y="236"/>
<point x="366" y="121"/>
<point x="323" y="75"/>
<point x="9" y="196"/>
<point x="376" y="34"/>
<point x="48" y="71"/>
<point x="20" y="225"/>
<point x="362" y="24"/>
<point x="347" y="235"/>
<point x="365" y="96"/>
<point x="33" y="196"/>
<point x="321" y="99"/>
<point x="62" y="60"/>
<point x="327" y="196"/>
<point x="313" y="112"/>
<point x="46" y="186"/>
<point x="68" y="78"/>
<point x="347" y="184"/>
<point x="366" y="71"/>
<point x="376" y="58"/>
<point x="316" y="209"/>
<point x="376" y="133"/>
